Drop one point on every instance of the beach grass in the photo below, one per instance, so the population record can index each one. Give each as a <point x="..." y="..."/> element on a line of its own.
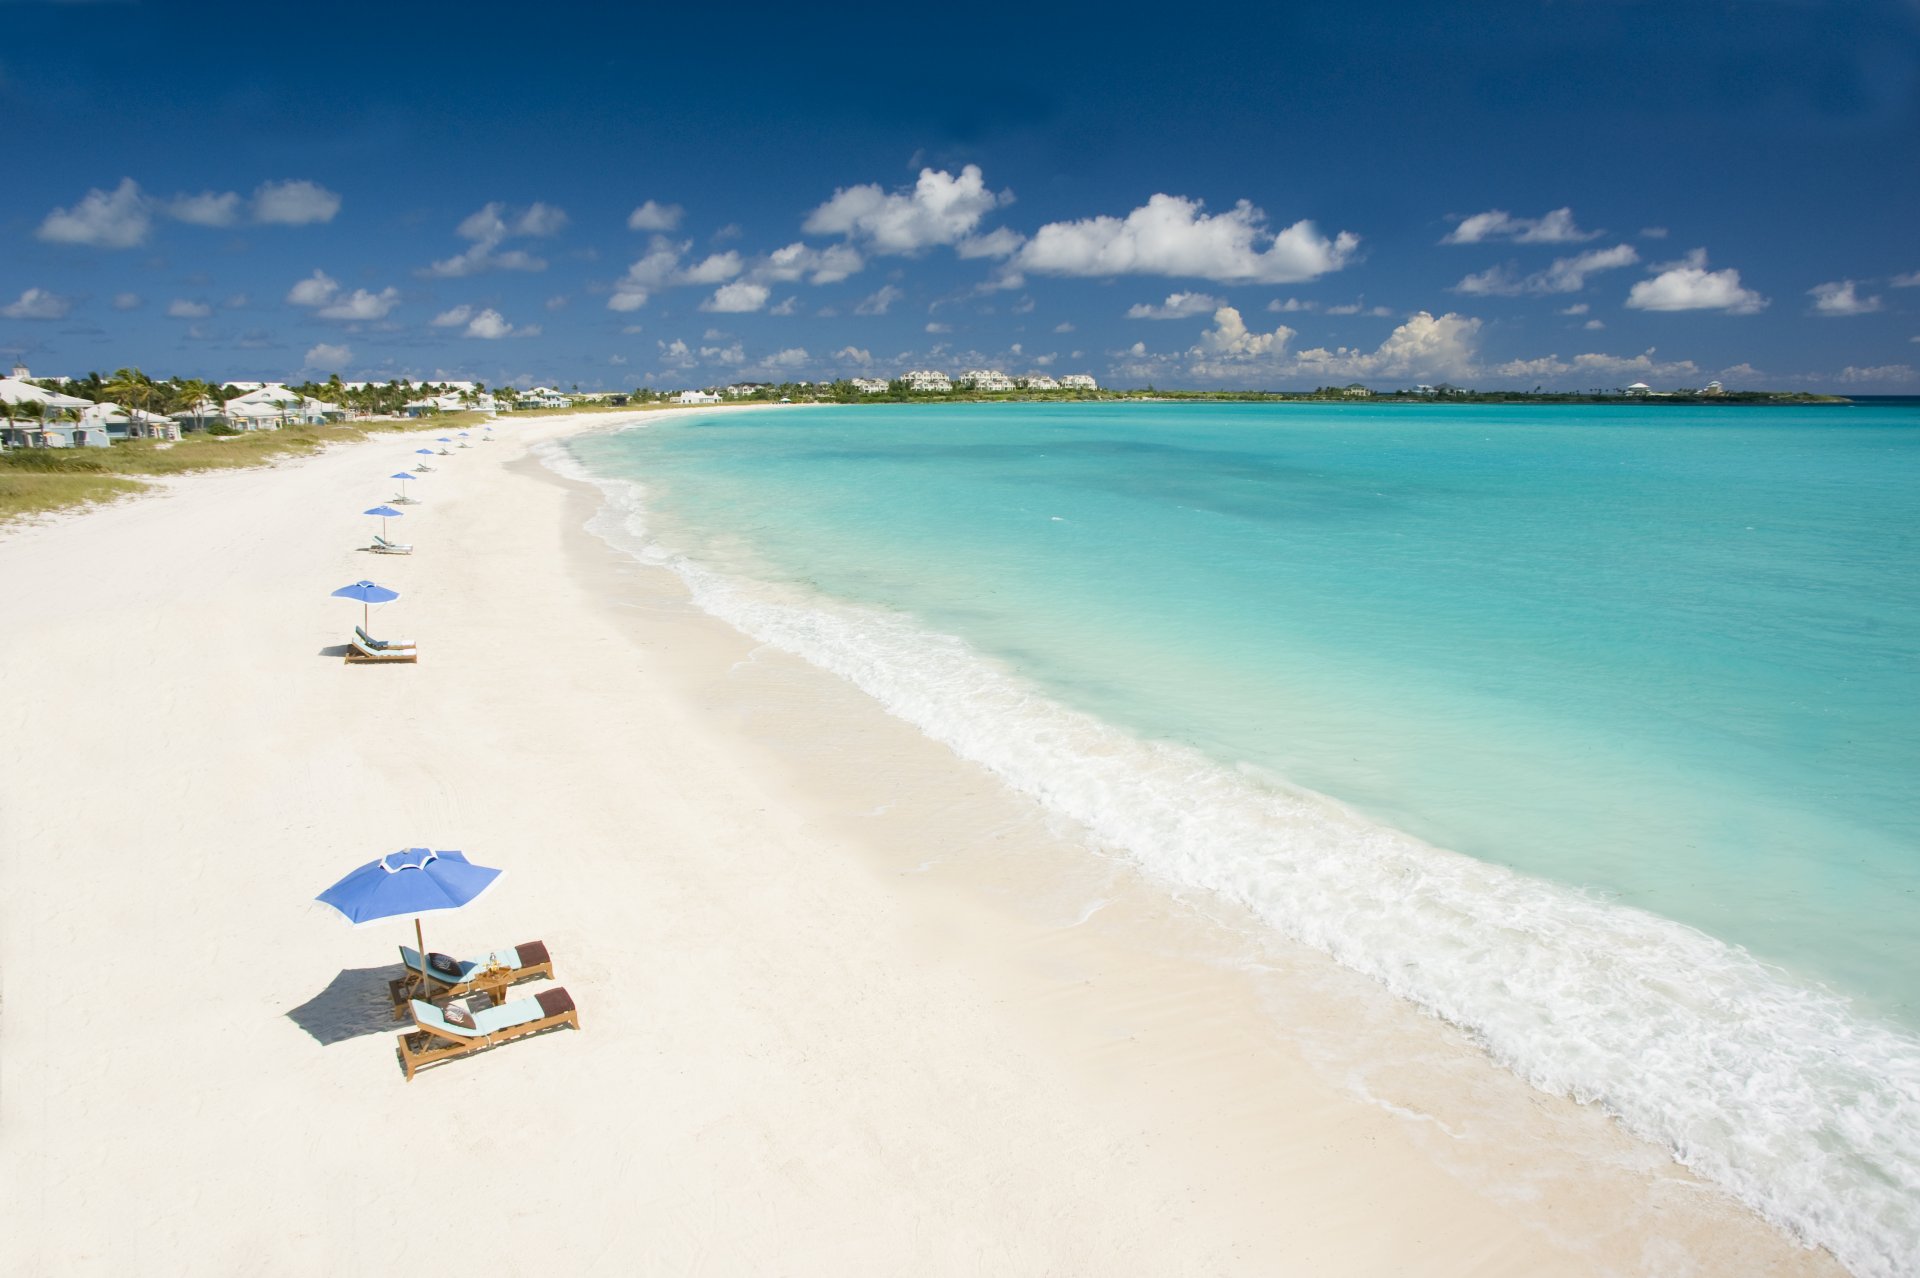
<point x="41" y="481"/>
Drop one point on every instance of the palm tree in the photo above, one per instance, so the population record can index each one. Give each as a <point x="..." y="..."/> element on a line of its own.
<point x="132" y="388"/>
<point x="191" y="395"/>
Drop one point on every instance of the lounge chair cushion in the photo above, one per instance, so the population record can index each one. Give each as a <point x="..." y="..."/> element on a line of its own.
<point x="445" y="964"/>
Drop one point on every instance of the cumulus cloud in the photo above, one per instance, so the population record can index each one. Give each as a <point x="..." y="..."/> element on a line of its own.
<point x="182" y="308"/>
<point x="939" y="209"/>
<point x="489" y="227"/>
<point x="37" y="304"/>
<point x="1839" y="298"/>
<point x="1566" y="275"/>
<point x="712" y="269"/>
<point x="1230" y="339"/>
<point x="1578" y="308"/>
<point x="294" y="203"/>
<point x="326" y="355"/>
<point x="1290" y="305"/>
<point x="1360" y="308"/>
<point x="791" y="306"/>
<point x="1177" y="306"/>
<point x="790" y="358"/>
<point x="818" y="266"/>
<point x="1653" y="232"/>
<point x="1556" y="227"/>
<point x="1000" y="242"/>
<point x="1643" y="367"/>
<point x="361" y="305"/>
<point x="739" y="297"/>
<point x="1687" y="285"/>
<point x="1878" y="373"/>
<point x="126" y="301"/>
<point x="1170" y="235"/>
<point x="453" y="317"/>
<point x="1064" y="326"/>
<point x="655" y="216"/>
<point x="115" y="219"/>
<point x="209" y="208"/>
<point x="935" y="326"/>
<point x="1910" y="280"/>
<point x="490" y="325"/>
<point x="879" y="302"/>
<point x="854" y="355"/>
<point x="1594" y="324"/>
<point x="316" y="290"/>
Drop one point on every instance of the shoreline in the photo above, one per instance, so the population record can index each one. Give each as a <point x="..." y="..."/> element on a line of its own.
<point x="880" y="1009"/>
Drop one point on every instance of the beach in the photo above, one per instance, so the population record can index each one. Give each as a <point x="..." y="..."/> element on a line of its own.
<point x="848" y="1004"/>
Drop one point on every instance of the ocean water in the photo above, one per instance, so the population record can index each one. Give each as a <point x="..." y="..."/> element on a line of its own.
<point x="1592" y="730"/>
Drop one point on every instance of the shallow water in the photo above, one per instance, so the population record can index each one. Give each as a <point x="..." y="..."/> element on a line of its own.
<point x="1651" y="670"/>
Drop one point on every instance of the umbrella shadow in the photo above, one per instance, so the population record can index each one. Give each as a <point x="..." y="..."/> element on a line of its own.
<point x="354" y="1004"/>
<point x="336" y="650"/>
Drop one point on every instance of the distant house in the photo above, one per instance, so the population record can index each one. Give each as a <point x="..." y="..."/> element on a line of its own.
<point x="744" y="390"/>
<point x="1356" y="391"/>
<point x="696" y="397"/>
<point x="927" y="382"/>
<point x="1638" y="389"/>
<point x="1036" y="382"/>
<point x="1422" y="389"/>
<point x="1715" y="388"/>
<point x="1078" y="381"/>
<point x="985" y="379"/>
<point x="35" y="424"/>
<point x="869" y="386"/>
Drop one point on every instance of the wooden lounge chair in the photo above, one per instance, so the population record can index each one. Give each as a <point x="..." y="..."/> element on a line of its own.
<point x="493" y="971"/>
<point x="435" y="1038"/>
<point x="381" y="546"/>
<point x="383" y="645"/>
<point x="358" y="654"/>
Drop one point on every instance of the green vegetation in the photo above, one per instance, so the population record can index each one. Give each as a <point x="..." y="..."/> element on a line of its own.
<point x="39" y="480"/>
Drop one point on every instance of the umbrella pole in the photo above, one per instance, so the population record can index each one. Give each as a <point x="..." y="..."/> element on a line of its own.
<point x="420" y="940"/>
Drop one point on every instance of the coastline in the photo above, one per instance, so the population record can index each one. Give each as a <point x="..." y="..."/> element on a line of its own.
<point x="845" y="1007"/>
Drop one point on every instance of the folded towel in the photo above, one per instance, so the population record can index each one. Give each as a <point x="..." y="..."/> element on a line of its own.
<point x="532" y="954"/>
<point x="554" y="1002"/>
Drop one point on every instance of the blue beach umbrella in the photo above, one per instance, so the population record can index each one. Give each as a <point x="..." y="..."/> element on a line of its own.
<point x="403" y="477"/>
<point x="412" y="881"/>
<point x="385" y="513"/>
<point x="367" y="593"/>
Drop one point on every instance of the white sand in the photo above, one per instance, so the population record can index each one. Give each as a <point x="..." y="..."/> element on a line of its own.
<point x="848" y="1006"/>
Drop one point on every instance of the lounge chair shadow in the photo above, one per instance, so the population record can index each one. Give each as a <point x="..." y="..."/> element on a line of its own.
<point x="354" y="1004"/>
<point x="336" y="650"/>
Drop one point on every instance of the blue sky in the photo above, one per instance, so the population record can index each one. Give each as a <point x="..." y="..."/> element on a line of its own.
<point x="1570" y="194"/>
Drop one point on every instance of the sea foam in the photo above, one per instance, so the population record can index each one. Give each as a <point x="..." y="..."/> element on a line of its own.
<point x="1775" y="1090"/>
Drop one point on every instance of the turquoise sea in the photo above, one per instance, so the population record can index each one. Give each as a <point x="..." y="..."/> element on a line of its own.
<point x="1591" y="729"/>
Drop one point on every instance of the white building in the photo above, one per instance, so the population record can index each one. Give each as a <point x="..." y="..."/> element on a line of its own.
<point x="1038" y="382"/>
<point x="1638" y="389"/>
<point x="869" y="386"/>
<point x="696" y="397"/>
<point x="742" y="390"/>
<point x="1715" y="388"/>
<point x="986" y="379"/>
<point x="1079" y="381"/>
<point x="927" y="381"/>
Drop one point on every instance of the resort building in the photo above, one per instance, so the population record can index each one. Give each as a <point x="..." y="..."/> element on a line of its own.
<point x="696" y="397"/>
<point x="1037" y="382"/>
<point x="741" y="390"/>
<point x="982" y="379"/>
<point x="1078" y="381"/>
<point x="1356" y="391"/>
<point x="1638" y="389"/>
<point x="869" y="386"/>
<point x="1715" y="388"/>
<point x="927" y="382"/>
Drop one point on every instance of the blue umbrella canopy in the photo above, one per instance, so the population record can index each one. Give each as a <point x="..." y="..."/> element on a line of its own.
<point x="367" y="593"/>
<point x="408" y="884"/>
<point x="424" y="452"/>
<point x="400" y="474"/>
<point x="385" y="512"/>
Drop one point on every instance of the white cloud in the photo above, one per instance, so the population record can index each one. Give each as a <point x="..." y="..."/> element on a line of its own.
<point x="453" y="318"/>
<point x="879" y="302"/>
<point x="1910" y="280"/>
<point x="792" y="357"/>
<point x="738" y="297"/>
<point x="1578" y="308"/>
<point x="1177" y="306"/>
<point x="1585" y="369"/>
<point x="1000" y="242"/>
<point x="490" y="325"/>
<point x="1064" y="326"/>
<point x="940" y="209"/>
<point x="126" y="301"/>
<point x="732" y="355"/>
<point x="1171" y="236"/>
<point x="1360" y="308"/>
<point x="1566" y="275"/>
<point x="557" y="302"/>
<point x="854" y="355"/>
<point x="181" y="308"/>
<point x="316" y="290"/>
<point x="1230" y="339"/>
<point x="491" y="225"/>
<point x="327" y="356"/>
<point x="1291" y="305"/>
<point x="1594" y="325"/>
<point x="38" y="304"/>
<point x="103" y="219"/>
<point x="361" y="305"/>
<point x="235" y="301"/>
<point x="819" y="266"/>
<point x="1653" y="232"/>
<point x="540" y="220"/>
<point x="1878" y="373"/>
<point x="1839" y="298"/>
<point x="934" y="326"/>
<point x="710" y="270"/>
<point x="655" y="216"/>
<point x="1556" y="227"/>
<point x="791" y="306"/>
<point x="626" y="297"/>
<point x="1687" y="285"/>
<point x="295" y="203"/>
<point x="209" y="208"/>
